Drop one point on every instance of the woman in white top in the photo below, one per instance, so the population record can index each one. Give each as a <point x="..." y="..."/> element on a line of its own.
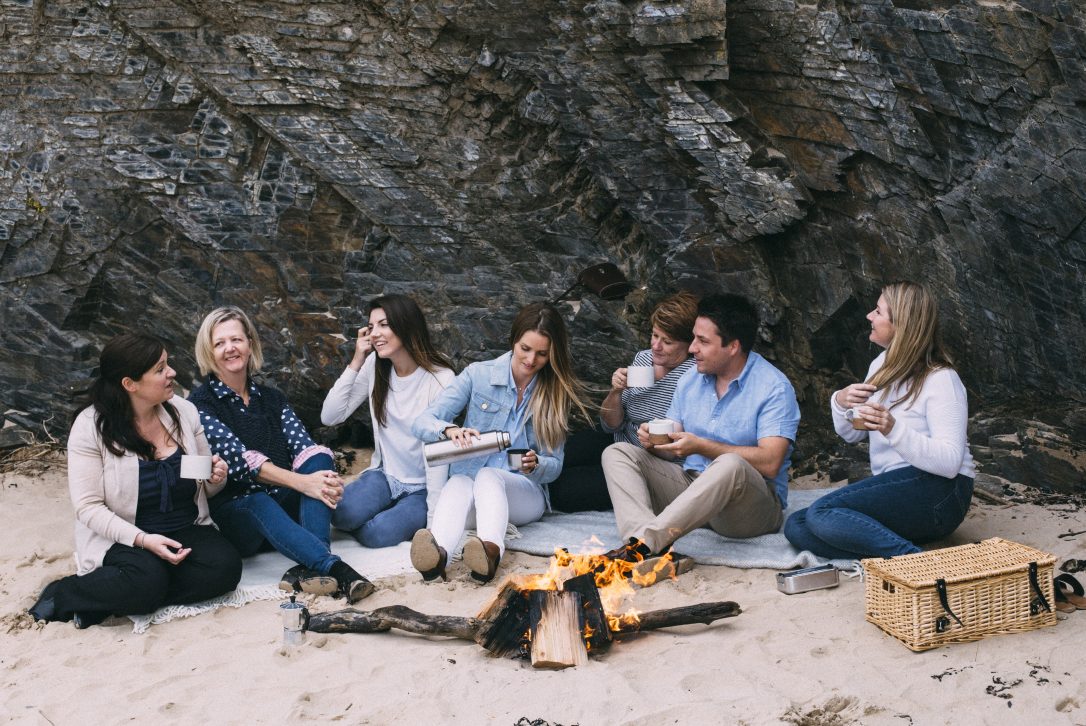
<point x="913" y="411"/>
<point x="398" y="369"/>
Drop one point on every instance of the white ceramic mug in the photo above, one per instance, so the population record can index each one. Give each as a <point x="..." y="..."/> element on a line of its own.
<point x="639" y="376"/>
<point x="195" y="467"/>
<point x="659" y="428"/>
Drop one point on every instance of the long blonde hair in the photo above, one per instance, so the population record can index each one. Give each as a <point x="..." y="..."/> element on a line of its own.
<point x="557" y="387"/>
<point x="916" y="350"/>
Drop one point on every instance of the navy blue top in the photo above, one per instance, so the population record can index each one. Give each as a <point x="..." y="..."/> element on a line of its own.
<point x="166" y="502"/>
<point x="246" y="436"/>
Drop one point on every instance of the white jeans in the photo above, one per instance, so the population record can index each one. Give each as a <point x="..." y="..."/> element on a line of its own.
<point x="489" y="503"/>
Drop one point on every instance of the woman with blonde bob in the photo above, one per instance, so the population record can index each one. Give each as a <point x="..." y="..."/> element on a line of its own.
<point x="913" y="410"/>
<point x="282" y="487"/>
<point x="528" y="392"/>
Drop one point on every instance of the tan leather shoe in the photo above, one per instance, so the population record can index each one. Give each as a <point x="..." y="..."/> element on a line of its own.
<point x="427" y="557"/>
<point x="482" y="558"/>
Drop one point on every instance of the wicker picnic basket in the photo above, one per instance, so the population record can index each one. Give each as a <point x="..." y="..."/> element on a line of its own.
<point x="960" y="594"/>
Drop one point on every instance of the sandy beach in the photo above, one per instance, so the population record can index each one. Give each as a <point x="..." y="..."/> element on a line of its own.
<point x="803" y="659"/>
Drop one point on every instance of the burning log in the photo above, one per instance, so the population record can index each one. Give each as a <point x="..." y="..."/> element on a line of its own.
<point x="556" y="627"/>
<point x="597" y="631"/>
<point x="504" y="622"/>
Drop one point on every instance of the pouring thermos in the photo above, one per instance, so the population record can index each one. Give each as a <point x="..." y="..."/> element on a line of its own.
<point x="439" y="453"/>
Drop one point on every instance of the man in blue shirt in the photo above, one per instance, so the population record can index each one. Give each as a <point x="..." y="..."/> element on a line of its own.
<point x="727" y="465"/>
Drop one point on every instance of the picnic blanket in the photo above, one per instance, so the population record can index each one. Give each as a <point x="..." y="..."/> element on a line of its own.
<point x="578" y="532"/>
<point x="595" y="531"/>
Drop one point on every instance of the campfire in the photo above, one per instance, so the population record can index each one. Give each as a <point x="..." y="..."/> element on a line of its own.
<point x="557" y="618"/>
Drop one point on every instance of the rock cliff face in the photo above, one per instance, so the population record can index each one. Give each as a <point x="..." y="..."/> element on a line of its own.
<point x="297" y="158"/>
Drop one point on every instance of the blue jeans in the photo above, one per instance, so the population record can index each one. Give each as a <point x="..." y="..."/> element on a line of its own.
<point x="296" y="526"/>
<point x="882" y="516"/>
<point x="373" y="517"/>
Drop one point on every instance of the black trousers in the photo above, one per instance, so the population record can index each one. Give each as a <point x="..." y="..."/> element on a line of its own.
<point x="132" y="581"/>
<point x="581" y="486"/>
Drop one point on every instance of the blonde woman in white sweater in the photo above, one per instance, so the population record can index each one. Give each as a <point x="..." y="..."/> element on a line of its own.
<point x="912" y="409"/>
<point x="397" y="369"/>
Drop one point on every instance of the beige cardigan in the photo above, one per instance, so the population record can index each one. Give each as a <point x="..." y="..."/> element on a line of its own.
<point x="105" y="488"/>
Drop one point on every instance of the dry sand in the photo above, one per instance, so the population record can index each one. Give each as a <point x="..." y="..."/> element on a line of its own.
<point x="804" y="659"/>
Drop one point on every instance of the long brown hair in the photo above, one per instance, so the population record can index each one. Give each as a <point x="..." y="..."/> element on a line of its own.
<point x="916" y="350"/>
<point x="557" y="387"/>
<point x="409" y="324"/>
<point x="128" y="355"/>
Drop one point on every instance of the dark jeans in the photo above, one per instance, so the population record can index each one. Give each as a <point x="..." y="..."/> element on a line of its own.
<point x="132" y="581"/>
<point x="296" y="526"/>
<point x="882" y="516"/>
<point x="581" y="486"/>
<point x="373" y="517"/>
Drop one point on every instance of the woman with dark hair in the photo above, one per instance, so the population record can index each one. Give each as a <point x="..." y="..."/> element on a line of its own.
<point x="581" y="485"/>
<point x="143" y="536"/>
<point x="527" y="392"/>
<point x="912" y="409"/>
<point x="282" y="486"/>
<point x="398" y="369"/>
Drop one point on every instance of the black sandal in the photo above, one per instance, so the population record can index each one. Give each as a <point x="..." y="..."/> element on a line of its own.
<point x="1069" y="594"/>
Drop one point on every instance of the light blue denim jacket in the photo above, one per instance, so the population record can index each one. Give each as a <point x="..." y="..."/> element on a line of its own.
<point x="483" y="392"/>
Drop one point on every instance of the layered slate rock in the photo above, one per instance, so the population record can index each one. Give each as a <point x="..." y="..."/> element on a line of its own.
<point x="296" y="159"/>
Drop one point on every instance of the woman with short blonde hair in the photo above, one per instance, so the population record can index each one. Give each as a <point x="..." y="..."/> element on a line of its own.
<point x="282" y="487"/>
<point x="913" y="411"/>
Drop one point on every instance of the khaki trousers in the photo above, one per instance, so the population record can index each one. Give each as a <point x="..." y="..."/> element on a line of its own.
<point x="657" y="502"/>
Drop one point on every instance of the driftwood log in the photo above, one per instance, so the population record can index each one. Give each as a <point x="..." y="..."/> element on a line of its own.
<point x="403" y="618"/>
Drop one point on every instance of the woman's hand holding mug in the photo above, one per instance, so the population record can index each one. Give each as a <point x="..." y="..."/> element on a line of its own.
<point x="219" y="470"/>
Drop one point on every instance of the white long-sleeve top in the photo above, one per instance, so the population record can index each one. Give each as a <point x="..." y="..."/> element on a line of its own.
<point x="394" y="447"/>
<point x="930" y="434"/>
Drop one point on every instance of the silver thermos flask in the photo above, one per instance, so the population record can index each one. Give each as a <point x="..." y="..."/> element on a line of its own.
<point x="439" y="453"/>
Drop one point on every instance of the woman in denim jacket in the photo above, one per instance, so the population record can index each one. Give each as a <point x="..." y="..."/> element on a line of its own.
<point x="527" y="392"/>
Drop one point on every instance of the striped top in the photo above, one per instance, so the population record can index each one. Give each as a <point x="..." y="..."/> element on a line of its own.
<point x="643" y="404"/>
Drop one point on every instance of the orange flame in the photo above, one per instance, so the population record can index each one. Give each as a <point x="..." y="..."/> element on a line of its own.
<point x="613" y="579"/>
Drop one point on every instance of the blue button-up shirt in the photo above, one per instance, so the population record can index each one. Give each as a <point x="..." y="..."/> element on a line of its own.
<point x="760" y="403"/>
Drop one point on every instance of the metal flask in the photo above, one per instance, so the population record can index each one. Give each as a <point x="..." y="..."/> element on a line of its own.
<point x="439" y="453"/>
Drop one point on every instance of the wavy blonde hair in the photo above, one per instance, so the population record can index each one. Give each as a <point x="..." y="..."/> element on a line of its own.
<point x="205" y="347"/>
<point x="557" y="387"/>
<point x="916" y="350"/>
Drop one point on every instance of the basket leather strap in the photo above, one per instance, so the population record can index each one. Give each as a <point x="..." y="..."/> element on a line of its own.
<point x="940" y="587"/>
<point x="1038" y="602"/>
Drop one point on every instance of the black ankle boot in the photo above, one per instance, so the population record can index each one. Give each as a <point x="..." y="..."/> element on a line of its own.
<point x="351" y="584"/>
<point x="45" y="609"/>
<point x="85" y="620"/>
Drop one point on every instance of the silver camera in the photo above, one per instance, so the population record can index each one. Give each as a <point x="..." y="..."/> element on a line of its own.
<point x="809" y="578"/>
